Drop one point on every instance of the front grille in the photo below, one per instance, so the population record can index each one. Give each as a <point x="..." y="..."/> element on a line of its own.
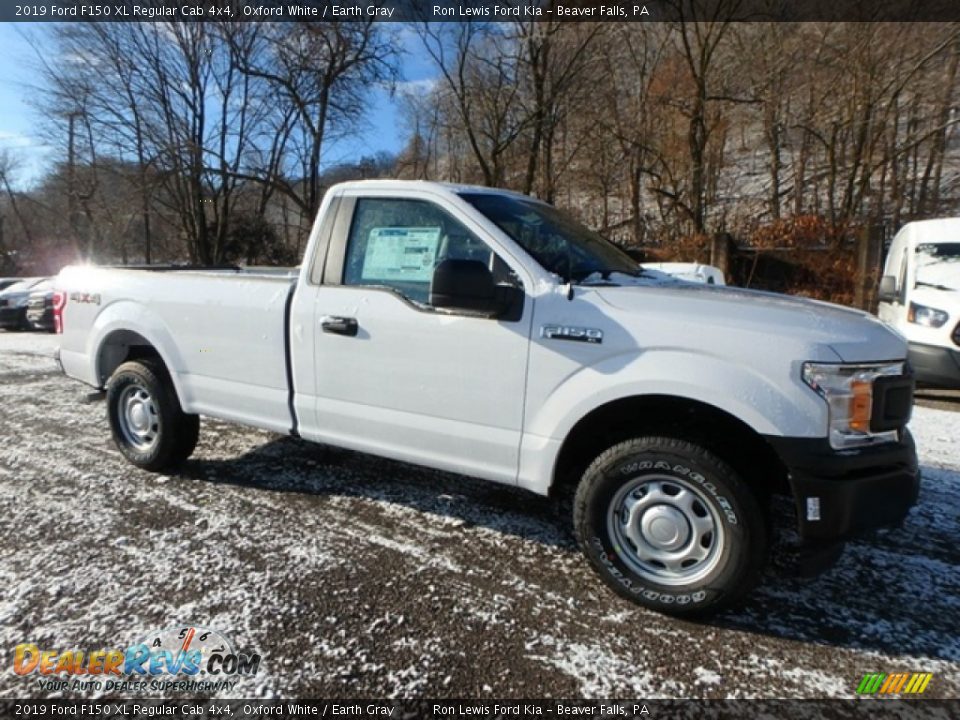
<point x="956" y="334"/>
<point x="892" y="402"/>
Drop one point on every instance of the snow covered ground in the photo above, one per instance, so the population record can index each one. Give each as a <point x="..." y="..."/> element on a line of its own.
<point x="359" y="577"/>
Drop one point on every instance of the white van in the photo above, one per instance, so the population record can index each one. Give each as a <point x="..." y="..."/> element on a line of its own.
<point x="920" y="297"/>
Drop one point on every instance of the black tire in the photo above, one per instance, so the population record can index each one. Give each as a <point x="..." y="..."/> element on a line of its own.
<point x="670" y="526"/>
<point x="156" y="434"/>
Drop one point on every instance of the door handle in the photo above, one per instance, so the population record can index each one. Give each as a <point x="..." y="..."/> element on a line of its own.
<point x="340" y="325"/>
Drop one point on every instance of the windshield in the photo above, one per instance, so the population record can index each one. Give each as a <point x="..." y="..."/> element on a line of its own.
<point x="938" y="266"/>
<point x="556" y="241"/>
<point x="938" y="252"/>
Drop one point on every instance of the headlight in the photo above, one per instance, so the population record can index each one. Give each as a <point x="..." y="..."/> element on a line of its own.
<point x="848" y="390"/>
<point x="926" y="316"/>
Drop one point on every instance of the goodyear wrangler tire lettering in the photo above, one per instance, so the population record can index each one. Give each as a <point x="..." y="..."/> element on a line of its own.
<point x="669" y="525"/>
<point x="636" y="589"/>
<point x="633" y="468"/>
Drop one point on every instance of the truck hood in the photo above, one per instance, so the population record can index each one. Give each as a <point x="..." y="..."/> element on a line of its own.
<point x="853" y="335"/>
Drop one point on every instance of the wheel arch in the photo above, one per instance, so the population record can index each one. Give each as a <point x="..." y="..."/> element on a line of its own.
<point x="725" y="435"/>
<point x="121" y="345"/>
<point x="129" y="330"/>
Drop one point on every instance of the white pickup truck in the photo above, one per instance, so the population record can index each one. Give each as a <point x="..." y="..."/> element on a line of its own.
<point x="484" y="332"/>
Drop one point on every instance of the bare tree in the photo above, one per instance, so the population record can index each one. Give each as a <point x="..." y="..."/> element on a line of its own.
<point x="421" y="113"/>
<point x="170" y="96"/>
<point x="319" y="75"/>
<point x="701" y="44"/>
<point x="632" y="106"/>
<point x="768" y="55"/>
<point x="556" y="60"/>
<point x="9" y="164"/>
<point x="76" y="96"/>
<point x="479" y="77"/>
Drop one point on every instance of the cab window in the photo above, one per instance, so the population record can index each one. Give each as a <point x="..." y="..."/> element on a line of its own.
<point x="396" y="243"/>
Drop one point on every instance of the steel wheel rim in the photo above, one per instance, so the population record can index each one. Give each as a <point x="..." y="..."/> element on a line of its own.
<point x="138" y="418"/>
<point x="665" y="529"/>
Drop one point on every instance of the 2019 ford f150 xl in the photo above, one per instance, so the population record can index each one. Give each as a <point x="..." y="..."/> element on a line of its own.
<point x="486" y="333"/>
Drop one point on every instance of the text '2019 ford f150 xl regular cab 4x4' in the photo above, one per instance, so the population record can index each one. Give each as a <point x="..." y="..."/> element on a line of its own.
<point x="486" y="333"/>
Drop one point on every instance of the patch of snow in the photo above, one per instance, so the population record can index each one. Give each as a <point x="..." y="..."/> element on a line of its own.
<point x="937" y="434"/>
<point x="598" y="668"/>
<point x="28" y="343"/>
<point x="706" y="677"/>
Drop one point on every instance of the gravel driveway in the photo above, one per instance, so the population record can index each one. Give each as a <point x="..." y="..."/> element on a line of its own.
<point x="355" y="576"/>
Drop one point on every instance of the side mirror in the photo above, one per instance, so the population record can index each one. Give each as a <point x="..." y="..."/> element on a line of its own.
<point x="464" y="285"/>
<point x="888" y="291"/>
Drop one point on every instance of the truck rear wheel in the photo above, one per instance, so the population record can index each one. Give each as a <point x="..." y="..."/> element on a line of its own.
<point x="669" y="525"/>
<point x="146" y="420"/>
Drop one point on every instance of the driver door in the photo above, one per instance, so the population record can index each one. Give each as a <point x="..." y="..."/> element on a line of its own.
<point x="397" y="377"/>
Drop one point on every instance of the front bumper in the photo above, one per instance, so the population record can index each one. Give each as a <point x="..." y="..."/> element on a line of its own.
<point x="842" y="494"/>
<point x="935" y="365"/>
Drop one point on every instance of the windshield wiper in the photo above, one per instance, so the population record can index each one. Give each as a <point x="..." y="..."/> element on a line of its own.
<point x="605" y="276"/>
<point x="588" y="276"/>
<point x="598" y="283"/>
<point x="935" y="286"/>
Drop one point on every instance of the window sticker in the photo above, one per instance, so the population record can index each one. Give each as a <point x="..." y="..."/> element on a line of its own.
<point x="401" y="253"/>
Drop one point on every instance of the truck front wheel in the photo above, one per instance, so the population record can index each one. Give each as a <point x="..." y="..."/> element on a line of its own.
<point x="669" y="525"/>
<point x="146" y="420"/>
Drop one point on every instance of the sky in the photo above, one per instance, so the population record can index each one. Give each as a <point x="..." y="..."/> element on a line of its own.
<point x="19" y="121"/>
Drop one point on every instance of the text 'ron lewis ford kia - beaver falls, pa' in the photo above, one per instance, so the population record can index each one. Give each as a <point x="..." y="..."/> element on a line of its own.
<point x="484" y="332"/>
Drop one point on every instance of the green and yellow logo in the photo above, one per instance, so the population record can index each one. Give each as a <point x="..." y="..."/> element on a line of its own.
<point x="884" y="684"/>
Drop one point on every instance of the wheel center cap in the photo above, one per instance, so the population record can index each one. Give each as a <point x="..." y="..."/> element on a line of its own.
<point x="138" y="416"/>
<point x="665" y="528"/>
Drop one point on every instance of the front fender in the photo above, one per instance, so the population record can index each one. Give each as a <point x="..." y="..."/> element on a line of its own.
<point x="782" y="408"/>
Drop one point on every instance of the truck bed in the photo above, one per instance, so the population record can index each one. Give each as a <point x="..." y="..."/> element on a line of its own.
<point x="224" y="330"/>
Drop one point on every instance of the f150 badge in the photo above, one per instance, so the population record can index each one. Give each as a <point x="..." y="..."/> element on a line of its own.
<point x="573" y="333"/>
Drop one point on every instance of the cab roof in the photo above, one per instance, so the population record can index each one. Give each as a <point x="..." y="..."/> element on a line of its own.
<point x="442" y="187"/>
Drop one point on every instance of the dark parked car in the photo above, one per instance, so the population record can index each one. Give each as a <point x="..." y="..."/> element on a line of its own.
<point x="13" y="304"/>
<point x="40" y="307"/>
